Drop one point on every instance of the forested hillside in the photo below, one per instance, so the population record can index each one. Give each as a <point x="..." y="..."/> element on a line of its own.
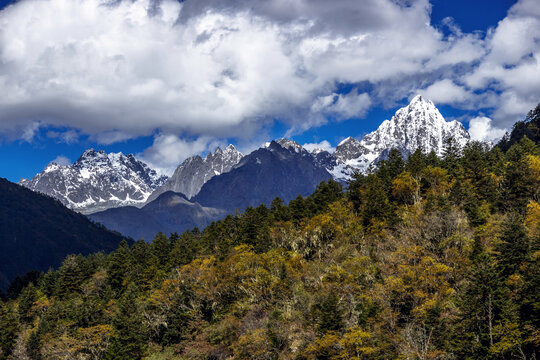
<point x="37" y="232"/>
<point x="424" y="258"/>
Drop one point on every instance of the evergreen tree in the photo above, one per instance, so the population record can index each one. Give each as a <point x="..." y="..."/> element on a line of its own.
<point x="330" y="315"/>
<point x="279" y="210"/>
<point x="8" y="330"/>
<point x="72" y="273"/>
<point x="518" y="184"/>
<point x="129" y="340"/>
<point x="513" y="248"/>
<point x="118" y="266"/>
<point x="33" y="346"/>
<point x="451" y="155"/>
<point x="325" y="194"/>
<point x="26" y="302"/>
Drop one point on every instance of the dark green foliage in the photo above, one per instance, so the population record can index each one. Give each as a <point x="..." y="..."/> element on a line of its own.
<point x="529" y="128"/>
<point x="8" y="330"/>
<point x="479" y="309"/>
<point x="325" y="194"/>
<point x="128" y="342"/>
<point x="330" y="315"/>
<point x="451" y="155"/>
<point x="20" y="282"/>
<point x="38" y="232"/>
<point x="118" y="266"/>
<point x="33" y="346"/>
<point x="518" y="185"/>
<point x="72" y="273"/>
<point x="26" y="301"/>
<point x="177" y="318"/>
<point x="513" y="248"/>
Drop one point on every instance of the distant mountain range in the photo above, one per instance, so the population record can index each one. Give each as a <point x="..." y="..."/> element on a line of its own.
<point x="202" y="189"/>
<point x="190" y="176"/>
<point x="98" y="181"/>
<point x="38" y="232"/>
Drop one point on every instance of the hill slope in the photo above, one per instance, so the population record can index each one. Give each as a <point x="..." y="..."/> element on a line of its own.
<point x="170" y="212"/>
<point x="38" y="232"/>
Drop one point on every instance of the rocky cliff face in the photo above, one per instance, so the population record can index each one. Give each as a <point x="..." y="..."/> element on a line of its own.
<point x="194" y="172"/>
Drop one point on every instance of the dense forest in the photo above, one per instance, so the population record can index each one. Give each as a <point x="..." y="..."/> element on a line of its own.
<point x="37" y="232"/>
<point x="423" y="258"/>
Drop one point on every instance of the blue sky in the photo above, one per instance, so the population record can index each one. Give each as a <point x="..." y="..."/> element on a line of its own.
<point x="312" y="73"/>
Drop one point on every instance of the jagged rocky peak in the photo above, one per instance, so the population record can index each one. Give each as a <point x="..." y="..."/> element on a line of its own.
<point x="192" y="173"/>
<point x="348" y="149"/>
<point x="98" y="181"/>
<point x="419" y="125"/>
<point x="290" y="144"/>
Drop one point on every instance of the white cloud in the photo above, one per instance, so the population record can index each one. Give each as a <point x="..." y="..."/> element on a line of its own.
<point x="214" y="69"/>
<point x="350" y="105"/>
<point x="481" y="129"/>
<point x="62" y="160"/>
<point x="444" y="92"/>
<point x="202" y="68"/>
<point x="30" y="130"/>
<point x="324" y="145"/>
<point x="512" y="63"/>
<point x="68" y="136"/>
<point x="168" y="151"/>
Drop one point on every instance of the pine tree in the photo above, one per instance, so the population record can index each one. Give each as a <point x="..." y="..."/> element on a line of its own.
<point x="451" y="155"/>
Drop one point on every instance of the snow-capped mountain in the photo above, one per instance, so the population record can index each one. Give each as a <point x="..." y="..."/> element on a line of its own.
<point x="97" y="181"/>
<point x="417" y="125"/>
<point x="194" y="172"/>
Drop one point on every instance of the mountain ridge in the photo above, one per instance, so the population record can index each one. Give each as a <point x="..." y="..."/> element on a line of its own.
<point x="97" y="181"/>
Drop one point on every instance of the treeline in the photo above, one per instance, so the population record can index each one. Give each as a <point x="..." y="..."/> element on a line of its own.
<point x="424" y="258"/>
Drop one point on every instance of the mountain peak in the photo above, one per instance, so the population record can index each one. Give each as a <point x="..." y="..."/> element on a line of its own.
<point x="97" y="181"/>
<point x="417" y="98"/>
<point x="350" y="139"/>
<point x="290" y="144"/>
<point x="419" y="125"/>
<point x="194" y="172"/>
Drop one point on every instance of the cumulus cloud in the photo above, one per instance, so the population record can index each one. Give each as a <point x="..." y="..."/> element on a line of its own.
<point x="62" y="160"/>
<point x="512" y="63"/>
<point x="324" y="145"/>
<point x="123" y="69"/>
<point x="444" y="92"/>
<point x="214" y="69"/>
<point x="482" y="129"/>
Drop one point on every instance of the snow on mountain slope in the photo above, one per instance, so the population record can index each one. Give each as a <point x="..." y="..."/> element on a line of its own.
<point x="194" y="172"/>
<point x="97" y="181"/>
<point x="417" y="125"/>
